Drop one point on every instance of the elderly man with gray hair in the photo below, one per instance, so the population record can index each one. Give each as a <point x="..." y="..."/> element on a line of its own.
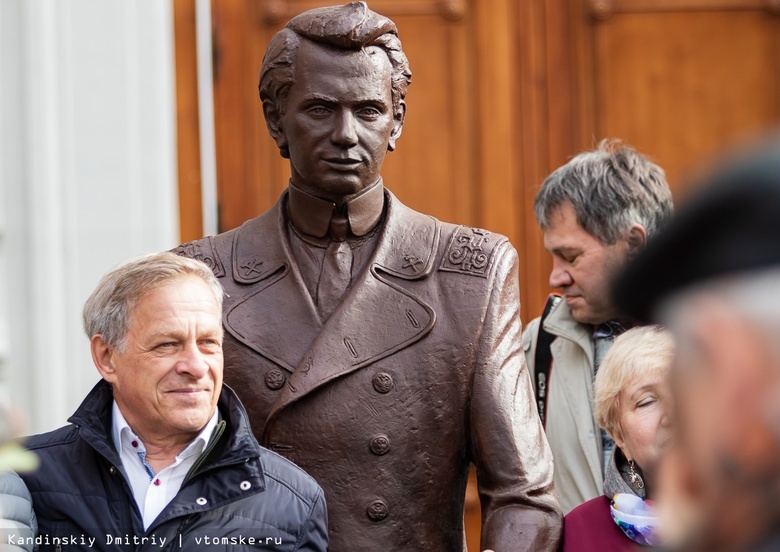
<point x="596" y="212"/>
<point x="160" y="453"/>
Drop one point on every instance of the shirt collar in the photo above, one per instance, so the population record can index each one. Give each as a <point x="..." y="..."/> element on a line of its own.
<point x="610" y="329"/>
<point x="123" y="435"/>
<point x="312" y="215"/>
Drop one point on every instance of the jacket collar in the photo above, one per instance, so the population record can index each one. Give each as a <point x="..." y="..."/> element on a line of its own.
<point x="616" y="476"/>
<point x="561" y="323"/>
<point x="312" y="215"/>
<point x="406" y="247"/>
<point x="93" y="416"/>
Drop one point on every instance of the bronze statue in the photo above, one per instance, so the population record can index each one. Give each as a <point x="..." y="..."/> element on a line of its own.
<point x="374" y="346"/>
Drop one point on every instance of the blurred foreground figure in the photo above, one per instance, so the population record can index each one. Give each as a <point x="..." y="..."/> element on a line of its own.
<point x="714" y="277"/>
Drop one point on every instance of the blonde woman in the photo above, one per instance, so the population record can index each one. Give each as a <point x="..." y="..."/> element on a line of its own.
<point x="631" y="401"/>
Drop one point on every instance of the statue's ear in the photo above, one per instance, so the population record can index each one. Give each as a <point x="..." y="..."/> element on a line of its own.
<point x="398" y="124"/>
<point x="273" y="120"/>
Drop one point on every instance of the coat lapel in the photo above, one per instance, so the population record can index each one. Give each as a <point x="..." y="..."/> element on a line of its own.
<point x="379" y="316"/>
<point x="271" y="311"/>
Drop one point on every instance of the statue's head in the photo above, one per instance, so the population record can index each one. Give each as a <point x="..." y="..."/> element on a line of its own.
<point x="333" y="84"/>
<point x="352" y="27"/>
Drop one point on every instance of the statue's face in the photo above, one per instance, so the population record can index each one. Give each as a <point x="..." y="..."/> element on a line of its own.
<point x="339" y="119"/>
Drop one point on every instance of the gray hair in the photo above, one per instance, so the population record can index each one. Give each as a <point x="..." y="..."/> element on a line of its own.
<point x="610" y="188"/>
<point x="107" y="311"/>
<point x="353" y="28"/>
<point x="641" y="352"/>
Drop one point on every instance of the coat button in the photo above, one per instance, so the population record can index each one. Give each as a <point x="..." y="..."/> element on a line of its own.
<point x="245" y="485"/>
<point x="201" y="501"/>
<point x="383" y="382"/>
<point x="377" y="510"/>
<point x="275" y="379"/>
<point x="379" y="445"/>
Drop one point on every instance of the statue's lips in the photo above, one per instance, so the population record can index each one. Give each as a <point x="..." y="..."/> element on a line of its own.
<point x="340" y="163"/>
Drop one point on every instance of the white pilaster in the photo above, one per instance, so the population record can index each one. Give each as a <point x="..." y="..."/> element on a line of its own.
<point x="87" y="178"/>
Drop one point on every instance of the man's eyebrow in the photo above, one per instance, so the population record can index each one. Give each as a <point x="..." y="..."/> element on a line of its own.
<point x="164" y="334"/>
<point x="315" y="96"/>
<point x="565" y="249"/>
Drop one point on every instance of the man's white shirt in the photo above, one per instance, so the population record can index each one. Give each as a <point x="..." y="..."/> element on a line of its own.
<point x="153" y="491"/>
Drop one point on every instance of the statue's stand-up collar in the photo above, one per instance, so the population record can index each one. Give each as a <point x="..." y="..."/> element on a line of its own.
<point x="312" y="215"/>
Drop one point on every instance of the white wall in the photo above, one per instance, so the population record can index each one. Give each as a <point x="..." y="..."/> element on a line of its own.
<point x="87" y="179"/>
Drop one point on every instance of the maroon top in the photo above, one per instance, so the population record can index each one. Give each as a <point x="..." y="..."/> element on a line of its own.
<point x="590" y="528"/>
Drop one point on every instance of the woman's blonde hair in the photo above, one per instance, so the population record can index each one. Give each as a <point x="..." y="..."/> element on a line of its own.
<point x="646" y="350"/>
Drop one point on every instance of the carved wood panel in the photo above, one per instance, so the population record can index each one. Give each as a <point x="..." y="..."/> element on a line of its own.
<point x="680" y="82"/>
<point x="678" y="79"/>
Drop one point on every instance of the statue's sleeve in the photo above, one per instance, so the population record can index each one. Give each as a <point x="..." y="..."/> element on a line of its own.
<point x="520" y="510"/>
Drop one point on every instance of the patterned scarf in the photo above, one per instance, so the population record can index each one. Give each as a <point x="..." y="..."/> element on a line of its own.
<point x="636" y="518"/>
<point x="630" y="509"/>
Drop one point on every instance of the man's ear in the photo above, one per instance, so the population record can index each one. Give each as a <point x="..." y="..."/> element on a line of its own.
<point x="273" y="121"/>
<point x="399" y="116"/>
<point x="103" y="357"/>
<point x="636" y="239"/>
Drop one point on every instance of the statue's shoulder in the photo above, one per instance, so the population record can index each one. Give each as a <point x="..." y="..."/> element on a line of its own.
<point x="469" y="250"/>
<point x="451" y="247"/>
<point x="208" y="250"/>
<point x="217" y="251"/>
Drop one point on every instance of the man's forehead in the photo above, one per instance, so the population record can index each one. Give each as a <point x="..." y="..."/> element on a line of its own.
<point x="563" y="229"/>
<point x="309" y="51"/>
<point x="336" y="75"/>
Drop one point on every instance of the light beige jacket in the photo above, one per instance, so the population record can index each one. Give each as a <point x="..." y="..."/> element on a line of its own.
<point x="571" y="426"/>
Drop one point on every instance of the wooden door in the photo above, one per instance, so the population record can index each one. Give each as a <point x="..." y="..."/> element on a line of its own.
<point x="677" y="79"/>
<point x="503" y="93"/>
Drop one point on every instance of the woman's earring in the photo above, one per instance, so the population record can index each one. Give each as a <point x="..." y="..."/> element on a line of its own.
<point x="636" y="479"/>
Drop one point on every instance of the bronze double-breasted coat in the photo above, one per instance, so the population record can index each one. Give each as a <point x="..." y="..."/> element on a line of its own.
<point x="417" y="373"/>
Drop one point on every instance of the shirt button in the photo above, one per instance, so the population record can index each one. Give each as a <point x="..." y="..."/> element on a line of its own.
<point x="201" y="501"/>
<point x="379" y="445"/>
<point x="377" y="510"/>
<point x="135" y="444"/>
<point x="245" y="485"/>
<point x="157" y="482"/>
<point x="383" y="382"/>
<point x="275" y="379"/>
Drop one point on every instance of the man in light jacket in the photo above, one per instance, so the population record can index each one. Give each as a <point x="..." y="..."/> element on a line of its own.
<point x="596" y="212"/>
